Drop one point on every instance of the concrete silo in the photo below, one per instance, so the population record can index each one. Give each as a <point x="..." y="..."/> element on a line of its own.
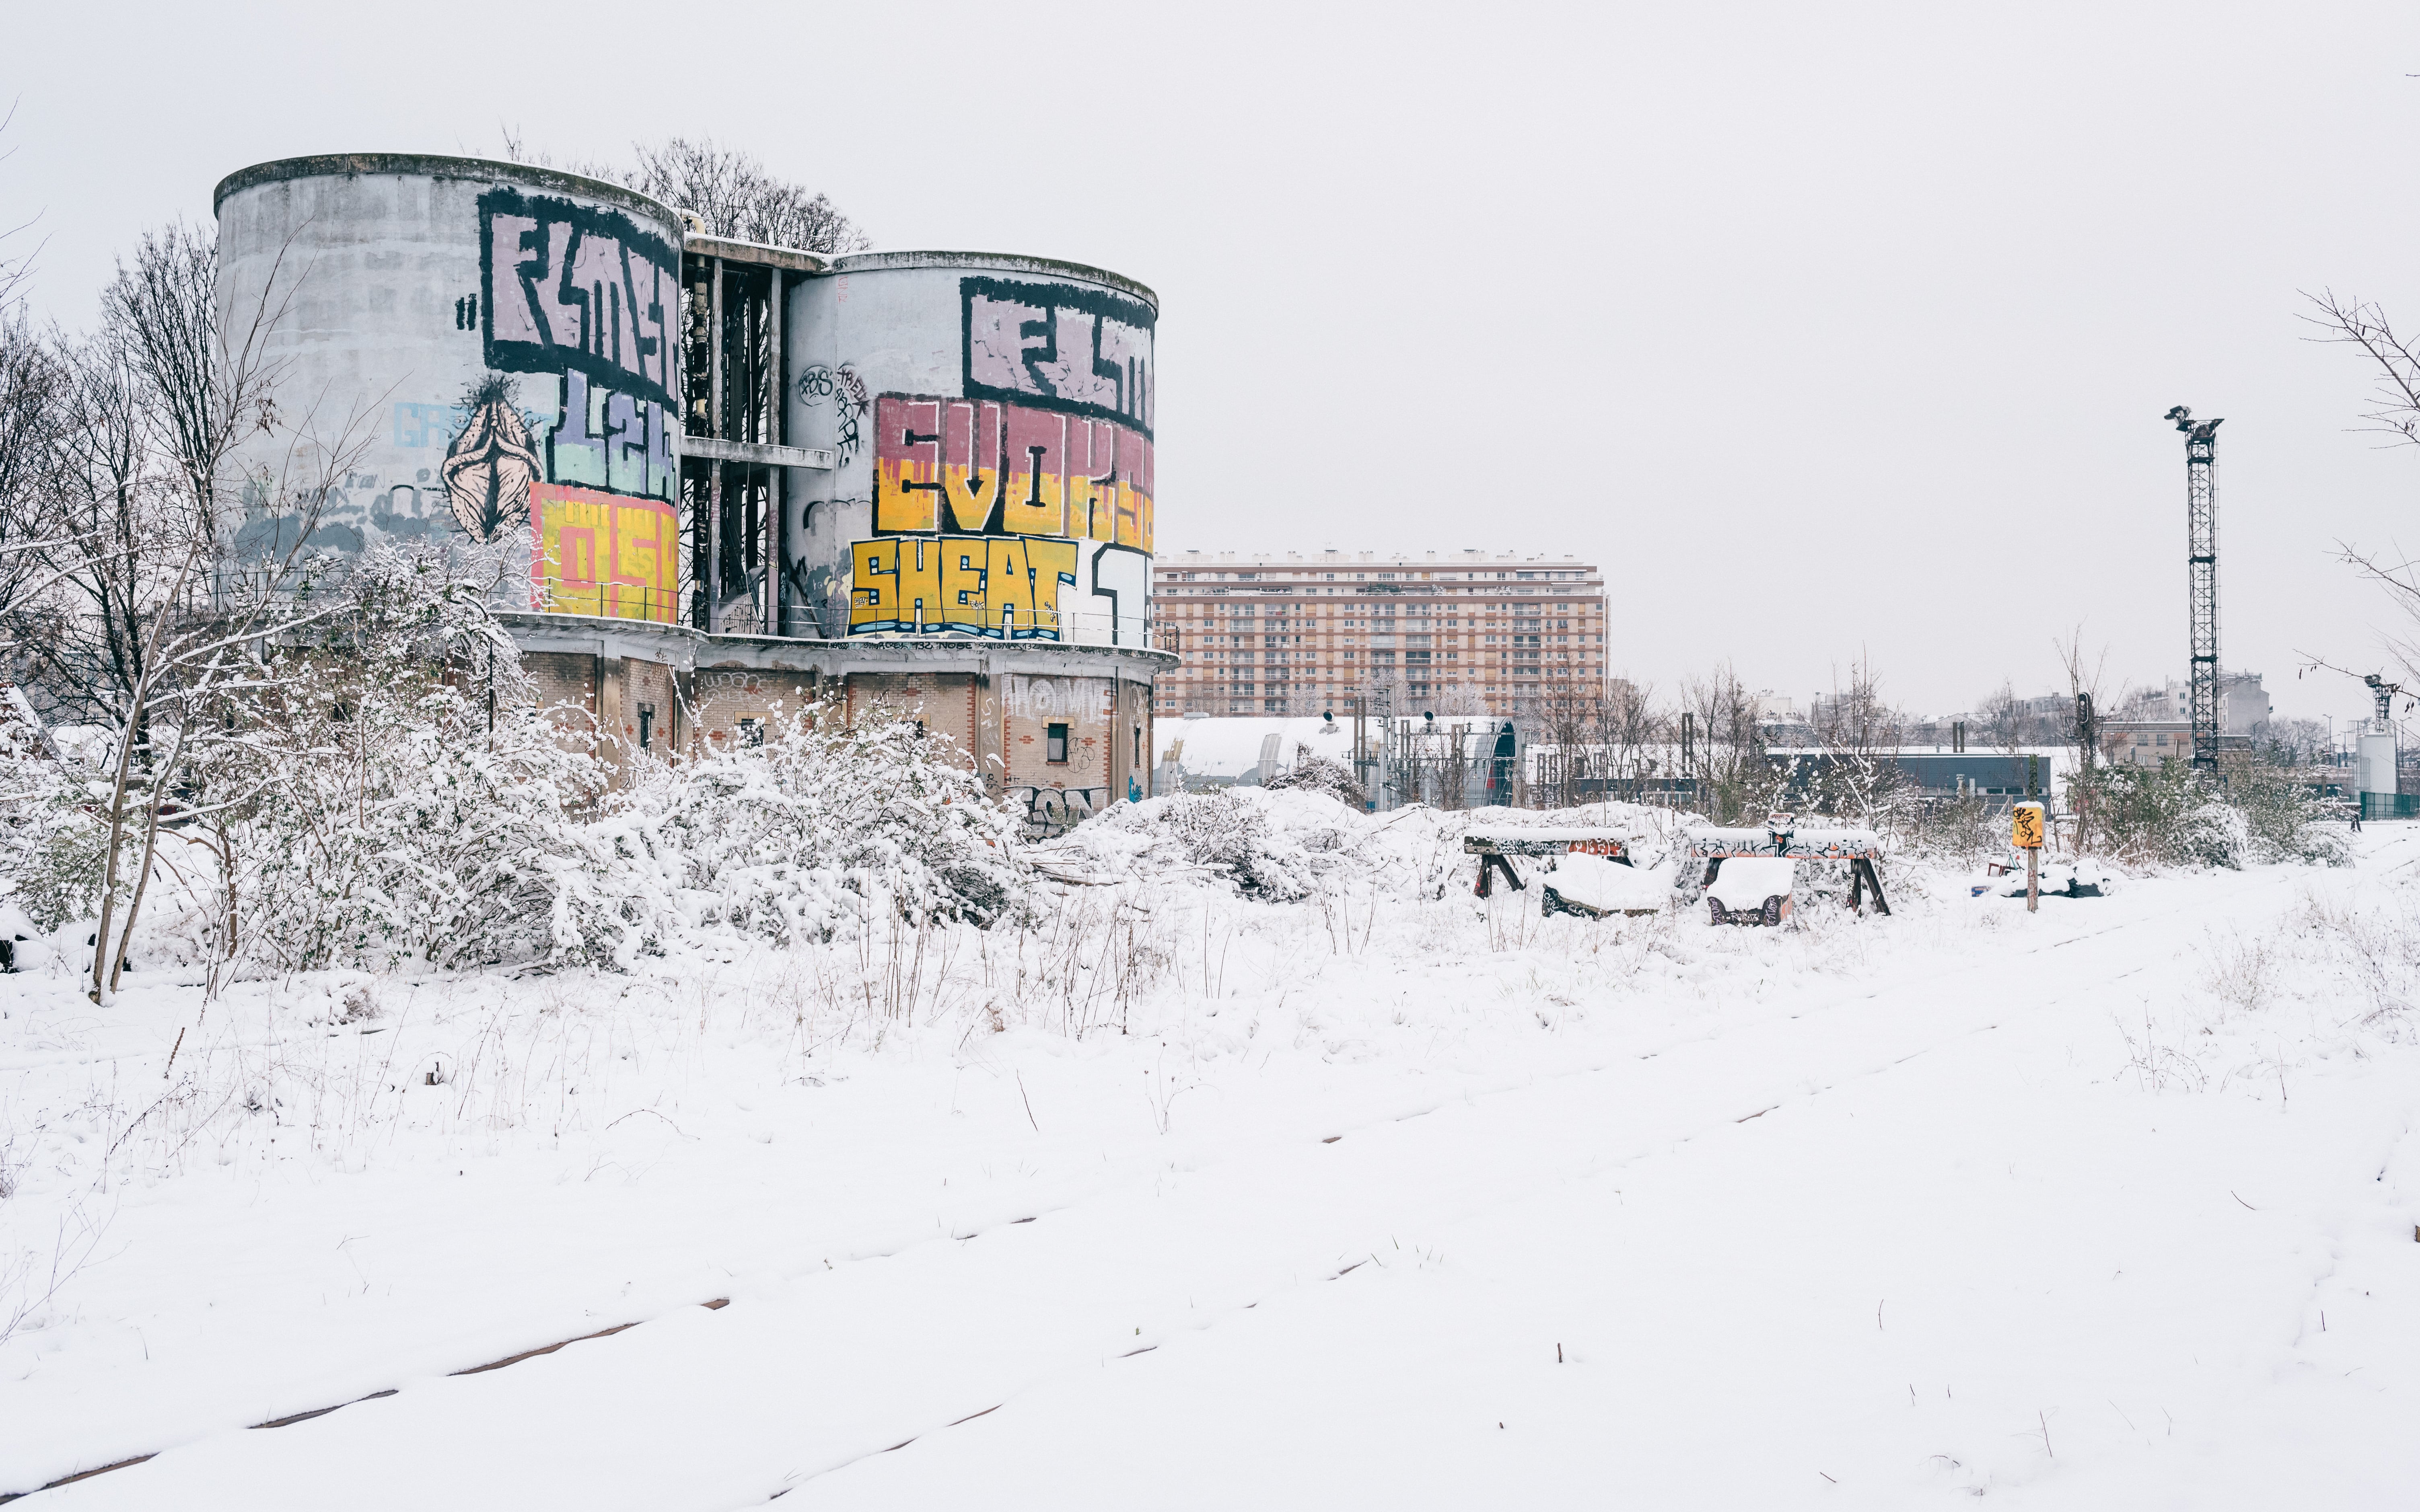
<point x="990" y="420"/>
<point x="490" y="351"/>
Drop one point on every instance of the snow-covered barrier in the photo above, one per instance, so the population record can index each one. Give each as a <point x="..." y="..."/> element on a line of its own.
<point x="1278" y="845"/>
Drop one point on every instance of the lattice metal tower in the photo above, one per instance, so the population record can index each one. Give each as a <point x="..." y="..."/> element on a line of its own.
<point x="2201" y="566"/>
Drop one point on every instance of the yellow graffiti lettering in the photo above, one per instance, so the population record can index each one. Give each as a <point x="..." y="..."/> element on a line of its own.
<point x="1035" y="506"/>
<point x="966" y="563"/>
<point x="874" y="588"/>
<point x="970" y="492"/>
<point x="904" y="498"/>
<point x="1011" y="585"/>
<point x="981" y="585"/>
<point x="604" y="554"/>
<point x="919" y="581"/>
<point x="1048" y="566"/>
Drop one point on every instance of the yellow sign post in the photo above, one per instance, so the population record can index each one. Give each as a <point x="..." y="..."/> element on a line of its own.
<point x="2026" y="833"/>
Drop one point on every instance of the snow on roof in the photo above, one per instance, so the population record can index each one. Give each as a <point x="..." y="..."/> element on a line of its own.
<point x="1228" y="747"/>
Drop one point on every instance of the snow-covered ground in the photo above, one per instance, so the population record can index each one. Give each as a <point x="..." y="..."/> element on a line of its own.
<point x="1378" y="1197"/>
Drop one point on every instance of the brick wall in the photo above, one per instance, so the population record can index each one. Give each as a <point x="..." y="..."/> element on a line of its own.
<point x="564" y="678"/>
<point x="1031" y="705"/>
<point x="721" y="697"/>
<point x="1001" y="724"/>
<point x="945" y="702"/>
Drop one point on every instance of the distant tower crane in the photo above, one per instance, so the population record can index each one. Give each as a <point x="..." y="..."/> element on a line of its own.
<point x="2201" y="563"/>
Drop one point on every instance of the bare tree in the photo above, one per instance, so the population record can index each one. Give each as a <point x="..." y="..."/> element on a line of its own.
<point x="2401" y="578"/>
<point x="18" y="264"/>
<point x="1727" y="753"/>
<point x="131" y="433"/>
<point x="1630" y="729"/>
<point x="730" y="190"/>
<point x="2087" y="677"/>
<point x="161" y="313"/>
<point x="2394" y="360"/>
<point x="1858" y="736"/>
<point x="117" y="531"/>
<point x="33" y="391"/>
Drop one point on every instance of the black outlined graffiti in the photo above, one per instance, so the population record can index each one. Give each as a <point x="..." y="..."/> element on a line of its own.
<point x="491" y="464"/>
<point x="1080" y="352"/>
<point x="1122" y="575"/>
<point x="850" y="402"/>
<point x="568" y="288"/>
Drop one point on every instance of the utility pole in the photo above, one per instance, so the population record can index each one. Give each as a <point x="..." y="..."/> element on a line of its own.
<point x="2201" y="566"/>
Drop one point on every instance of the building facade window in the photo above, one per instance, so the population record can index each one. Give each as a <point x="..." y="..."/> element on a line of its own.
<point x="1054" y="742"/>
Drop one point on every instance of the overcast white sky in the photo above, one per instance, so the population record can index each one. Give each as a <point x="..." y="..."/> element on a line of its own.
<point x="1828" y="330"/>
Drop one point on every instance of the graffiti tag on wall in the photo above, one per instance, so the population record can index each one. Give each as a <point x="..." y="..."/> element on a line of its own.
<point x="603" y="555"/>
<point x="846" y="391"/>
<point x="1058" y="347"/>
<point x="588" y="299"/>
<point x="979" y="503"/>
<point x="1050" y="812"/>
<point x="1006" y="470"/>
<point x="570" y="288"/>
<point x="992" y="587"/>
<point x="589" y="302"/>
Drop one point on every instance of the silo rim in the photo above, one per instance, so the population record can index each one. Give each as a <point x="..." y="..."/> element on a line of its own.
<point x="857" y="262"/>
<point x="434" y="166"/>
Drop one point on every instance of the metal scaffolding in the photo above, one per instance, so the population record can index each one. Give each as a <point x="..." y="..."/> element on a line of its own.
<point x="2201" y="563"/>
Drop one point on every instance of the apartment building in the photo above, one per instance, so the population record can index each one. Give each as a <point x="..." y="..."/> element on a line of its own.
<point x="1301" y="633"/>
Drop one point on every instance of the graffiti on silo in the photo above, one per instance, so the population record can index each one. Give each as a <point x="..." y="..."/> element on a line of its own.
<point x="1060" y="346"/>
<point x="994" y="587"/>
<point x="984" y="502"/>
<point x="518" y="339"/>
<point x="587" y="302"/>
<point x="606" y="554"/>
<point x="846" y="392"/>
<point x="1007" y="469"/>
<point x="492" y="463"/>
<point x="569" y="288"/>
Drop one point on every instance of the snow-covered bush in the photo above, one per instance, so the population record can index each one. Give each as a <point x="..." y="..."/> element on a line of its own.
<point x="53" y="840"/>
<point x="2164" y="814"/>
<point x="393" y="790"/>
<point x="1314" y="773"/>
<point x="822" y="828"/>
<point x="2281" y="816"/>
<point x="1956" y="830"/>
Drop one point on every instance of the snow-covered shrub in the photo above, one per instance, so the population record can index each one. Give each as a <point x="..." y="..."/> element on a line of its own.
<point x="393" y="790"/>
<point x="2281" y="816"/>
<point x="822" y="828"/>
<point x="1228" y="833"/>
<point x="1957" y="830"/>
<point x="2210" y="834"/>
<point x="53" y="838"/>
<point x="1314" y="773"/>
<point x="2164" y="814"/>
